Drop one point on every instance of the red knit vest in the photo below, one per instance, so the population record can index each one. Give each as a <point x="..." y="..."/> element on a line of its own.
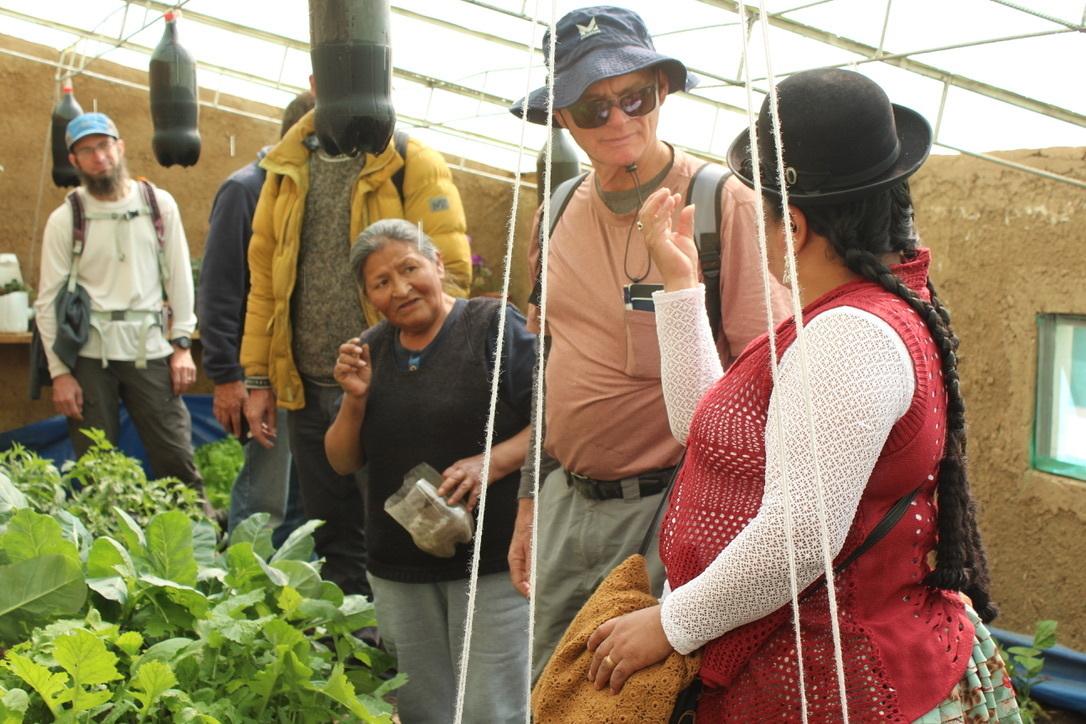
<point x="904" y="645"/>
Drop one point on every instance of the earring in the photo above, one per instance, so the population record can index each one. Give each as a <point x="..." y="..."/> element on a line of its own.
<point x="786" y="277"/>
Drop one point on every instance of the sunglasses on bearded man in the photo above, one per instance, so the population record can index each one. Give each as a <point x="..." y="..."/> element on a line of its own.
<point x="595" y="112"/>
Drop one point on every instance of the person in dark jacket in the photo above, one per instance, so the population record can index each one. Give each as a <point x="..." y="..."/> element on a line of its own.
<point x="416" y="388"/>
<point x="267" y="482"/>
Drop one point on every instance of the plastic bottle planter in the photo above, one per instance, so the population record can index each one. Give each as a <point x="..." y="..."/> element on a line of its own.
<point x="64" y="174"/>
<point x="564" y="162"/>
<point x="174" y="103"/>
<point x="352" y="67"/>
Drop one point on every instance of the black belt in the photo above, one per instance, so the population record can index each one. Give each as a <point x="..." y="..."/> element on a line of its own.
<point x="650" y="483"/>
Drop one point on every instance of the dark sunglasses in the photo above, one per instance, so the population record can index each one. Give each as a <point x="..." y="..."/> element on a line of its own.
<point x="594" y="112"/>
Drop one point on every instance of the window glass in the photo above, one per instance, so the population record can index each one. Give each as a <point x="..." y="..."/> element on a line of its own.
<point x="1059" y="440"/>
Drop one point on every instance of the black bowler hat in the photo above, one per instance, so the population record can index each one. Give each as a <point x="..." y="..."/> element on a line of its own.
<point x="842" y="137"/>
<point x="593" y="44"/>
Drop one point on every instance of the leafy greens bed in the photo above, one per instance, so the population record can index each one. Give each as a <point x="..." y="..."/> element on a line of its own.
<point x="117" y="605"/>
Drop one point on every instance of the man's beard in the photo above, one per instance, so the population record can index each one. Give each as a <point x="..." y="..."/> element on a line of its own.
<point x="108" y="184"/>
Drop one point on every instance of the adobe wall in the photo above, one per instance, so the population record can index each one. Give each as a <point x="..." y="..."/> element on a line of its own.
<point x="1007" y="246"/>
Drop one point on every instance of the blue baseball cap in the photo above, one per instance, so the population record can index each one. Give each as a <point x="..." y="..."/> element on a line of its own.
<point x="89" y="124"/>
<point x="593" y="44"/>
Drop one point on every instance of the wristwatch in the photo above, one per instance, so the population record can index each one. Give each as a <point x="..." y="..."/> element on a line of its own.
<point x="181" y="342"/>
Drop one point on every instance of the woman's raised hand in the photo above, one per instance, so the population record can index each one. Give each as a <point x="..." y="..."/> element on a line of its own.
<point x="353" y="371"/>
<point x="673" y="251"/>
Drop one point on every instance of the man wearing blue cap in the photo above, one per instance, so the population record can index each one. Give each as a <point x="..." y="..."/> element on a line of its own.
<point x="117" y="257"/>
<point x="605" y="419"/>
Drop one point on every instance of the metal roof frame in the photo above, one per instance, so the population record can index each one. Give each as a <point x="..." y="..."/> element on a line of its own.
<point x="731" y="8"/>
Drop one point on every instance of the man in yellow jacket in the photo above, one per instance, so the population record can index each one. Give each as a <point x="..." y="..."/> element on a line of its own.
<point x="303" y="303"/>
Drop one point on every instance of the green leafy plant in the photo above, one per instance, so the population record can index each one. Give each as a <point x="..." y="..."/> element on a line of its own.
<point x="219" y="463"/>
<point x="149" y="621"/>
<point x="87" y="490"/>
<point x="175" y="631"/>
<point x="14" y="285"/>
<point x="1025" y="665"/>
<point x="41" y="571"/>
<point x="40" y="484"/>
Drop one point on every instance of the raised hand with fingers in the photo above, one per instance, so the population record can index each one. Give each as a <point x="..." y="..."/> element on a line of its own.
<point x="353" y="370"/>
<point x="673" y="251"/>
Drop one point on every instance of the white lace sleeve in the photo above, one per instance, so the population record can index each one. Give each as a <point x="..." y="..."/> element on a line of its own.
<point x="689" y="363"/>
<point x="862" y="382"/>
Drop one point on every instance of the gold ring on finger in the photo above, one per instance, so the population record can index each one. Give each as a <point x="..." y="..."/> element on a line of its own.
<point x="609" y="661"/>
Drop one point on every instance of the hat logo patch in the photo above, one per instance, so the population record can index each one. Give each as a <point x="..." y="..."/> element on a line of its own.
<point x="587" y="31"/>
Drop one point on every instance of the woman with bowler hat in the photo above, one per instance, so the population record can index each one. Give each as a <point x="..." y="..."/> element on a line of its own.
<point x="855" y="453"/>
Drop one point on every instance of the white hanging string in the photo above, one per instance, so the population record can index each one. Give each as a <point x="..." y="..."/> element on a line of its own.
<point x="537" y="404"/>
<point x="801" y="342"/>
<point x="473" y="581"/>
<point x="777" y="431"/>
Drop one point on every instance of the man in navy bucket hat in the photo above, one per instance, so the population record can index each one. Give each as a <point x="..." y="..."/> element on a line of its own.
<point x="596" y="43"/>
<point x="606" y="424"/>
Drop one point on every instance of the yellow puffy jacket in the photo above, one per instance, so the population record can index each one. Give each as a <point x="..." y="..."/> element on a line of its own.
<point x="428" y="195"/>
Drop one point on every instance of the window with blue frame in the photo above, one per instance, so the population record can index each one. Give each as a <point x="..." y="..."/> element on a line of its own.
<point x="1059" y="430"/>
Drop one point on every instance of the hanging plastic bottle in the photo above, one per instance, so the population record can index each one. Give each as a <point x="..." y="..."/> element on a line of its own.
<point x="352" y="67"/>
<point x="174" y="104"/>
<point x="564" y="161"/>
<point x="64" y="174"/>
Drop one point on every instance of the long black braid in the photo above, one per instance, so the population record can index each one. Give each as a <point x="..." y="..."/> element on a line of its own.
<point x="860" y="232"/>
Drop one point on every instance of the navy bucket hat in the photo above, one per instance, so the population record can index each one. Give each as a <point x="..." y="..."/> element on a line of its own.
<point x="593" y="44"/>
<point x="843" y="139"/>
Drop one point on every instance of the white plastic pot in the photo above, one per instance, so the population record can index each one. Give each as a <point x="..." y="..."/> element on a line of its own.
<point x="14" y="312"/>
<point x="9" y="269"/>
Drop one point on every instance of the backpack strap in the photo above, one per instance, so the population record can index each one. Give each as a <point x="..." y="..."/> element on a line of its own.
<point x="79" y="236"/>
<point x="399" y="138"/>
<point x="147" y="190"/>
<point x="705" y="191"/>
<point x="79" y="222"/>
<point x="559" y="201"/>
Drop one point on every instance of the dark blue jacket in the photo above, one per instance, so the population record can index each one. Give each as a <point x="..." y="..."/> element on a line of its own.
<point x="224" y="272"/>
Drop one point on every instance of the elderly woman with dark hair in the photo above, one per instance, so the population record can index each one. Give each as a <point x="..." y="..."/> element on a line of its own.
<point x="417" y="389"/>
<point x="854" y="450"/>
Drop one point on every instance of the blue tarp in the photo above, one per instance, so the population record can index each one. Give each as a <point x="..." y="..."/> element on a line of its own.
<point x="1064" y="685"/>
<point x="49" y="437"/>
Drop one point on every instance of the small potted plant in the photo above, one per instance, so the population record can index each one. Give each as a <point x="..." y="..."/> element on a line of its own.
<point x="480" y="275"/>
<point x="484" y="283"/>
<point x="14" y="306"/>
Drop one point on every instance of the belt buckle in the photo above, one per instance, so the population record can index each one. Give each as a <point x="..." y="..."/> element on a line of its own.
<point x="117" y="315"/>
